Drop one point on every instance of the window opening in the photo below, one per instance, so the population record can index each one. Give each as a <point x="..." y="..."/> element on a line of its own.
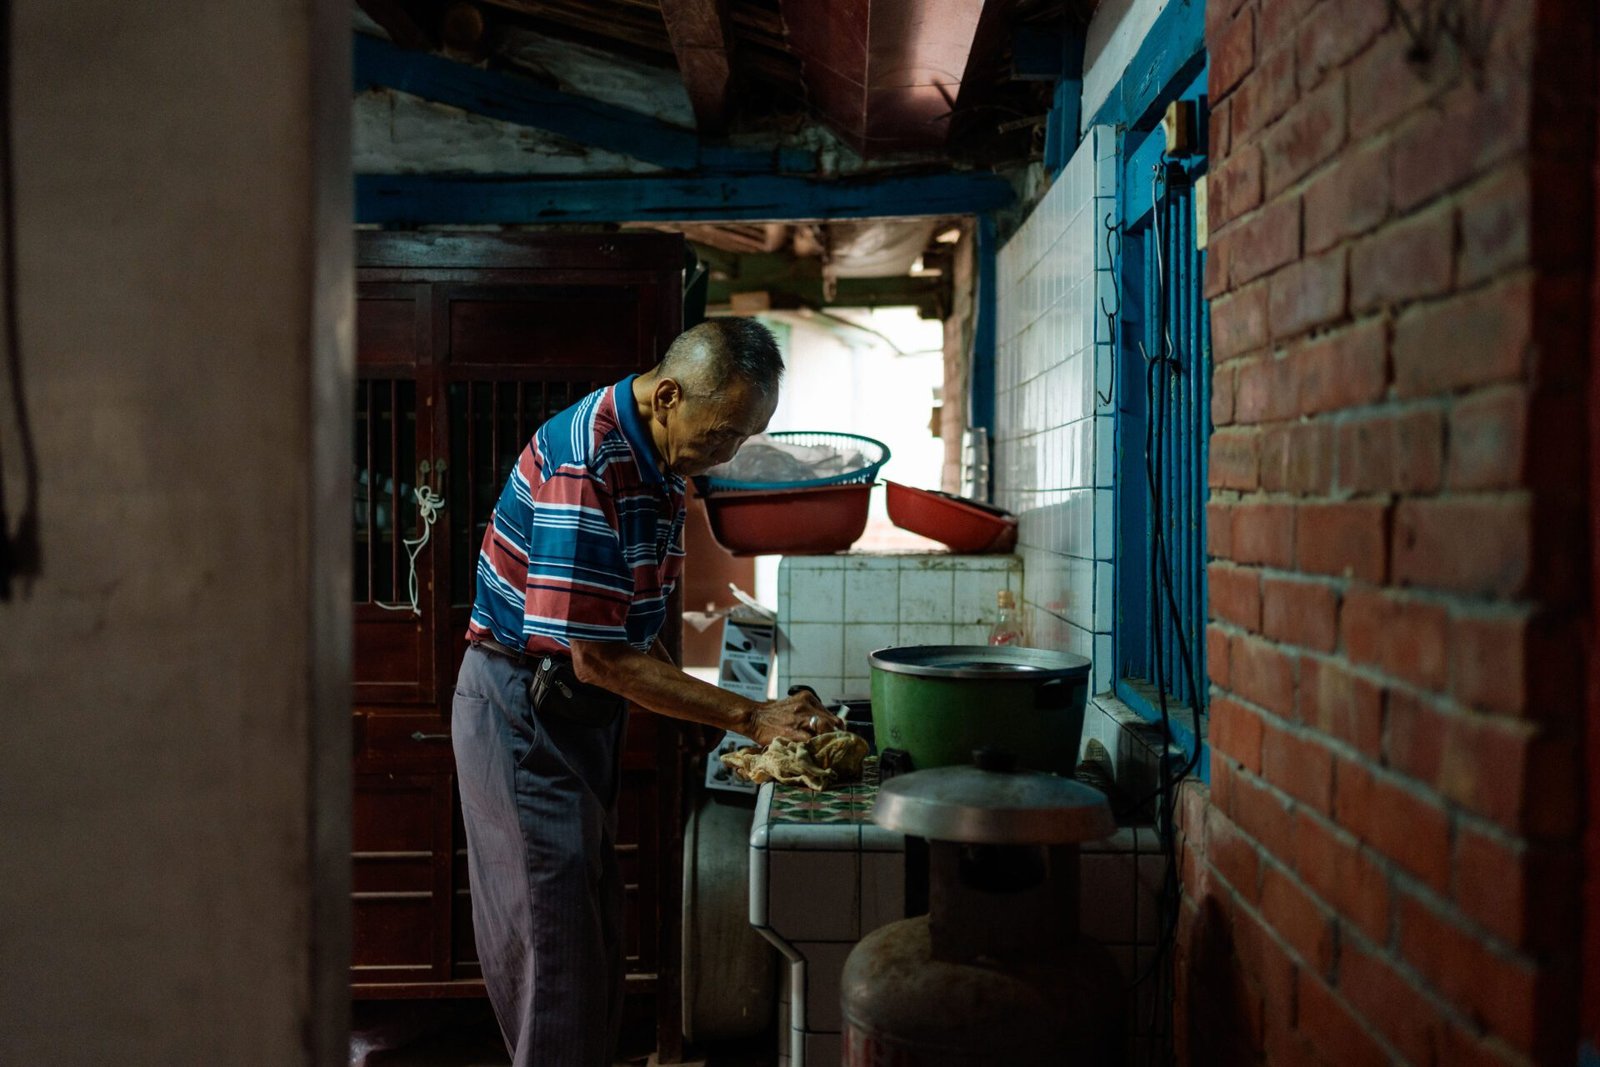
<point x="385" y="509"/>
<point x="1165" y="425"/>
<point x="490" y="424"/>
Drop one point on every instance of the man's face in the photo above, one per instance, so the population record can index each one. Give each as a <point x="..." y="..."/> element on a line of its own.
<point x="704" y="430"/>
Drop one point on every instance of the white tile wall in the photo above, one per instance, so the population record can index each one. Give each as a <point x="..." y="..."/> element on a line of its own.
<point x="819" y="600"/>
<point x="926" y="633"/>
<point x="834" y="610"/>
<point x="860" y="639"/>
<point x="817" y="894"/>
<point x="816" y="649"/>
<point x="793" y="878"/>
<point x="823" y="1048"/>
<point x="883" y="889"/>
<point x="927" y="595"/>
<point x="872" y="588"/>
<point x="1054" y="450"/>
<point x="824" y="968"/>
<point x="1119" y="904"/>
<point x="1132" y="744"/>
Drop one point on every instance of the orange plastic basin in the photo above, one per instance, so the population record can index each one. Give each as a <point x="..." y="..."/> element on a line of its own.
<point x="790" y="522"/>
<point x="960" y="524"/>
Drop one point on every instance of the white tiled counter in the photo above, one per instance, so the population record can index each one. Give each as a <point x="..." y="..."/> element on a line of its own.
<point x="834" y="610"/>
<point x="822" y="876"/>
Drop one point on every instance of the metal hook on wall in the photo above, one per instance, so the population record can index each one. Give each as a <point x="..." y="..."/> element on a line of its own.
<point x="1158" y="205"/>
<point x="1109" y="224"/>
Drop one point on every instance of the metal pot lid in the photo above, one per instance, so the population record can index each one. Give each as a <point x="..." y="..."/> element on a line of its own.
<point x="991" y="663"/>
<point x="977" y="806"/>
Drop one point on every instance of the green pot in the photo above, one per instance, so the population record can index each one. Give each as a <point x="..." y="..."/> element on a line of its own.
<point x="941" y="702"/>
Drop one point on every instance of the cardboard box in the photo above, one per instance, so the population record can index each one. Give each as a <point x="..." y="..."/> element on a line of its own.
<point x="745" y="665"/>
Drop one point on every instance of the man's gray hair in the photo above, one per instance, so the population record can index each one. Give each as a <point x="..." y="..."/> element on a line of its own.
<point x="712" y="353"/>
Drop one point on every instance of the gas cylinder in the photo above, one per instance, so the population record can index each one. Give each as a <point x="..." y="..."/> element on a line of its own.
<point x="997" y="973"/>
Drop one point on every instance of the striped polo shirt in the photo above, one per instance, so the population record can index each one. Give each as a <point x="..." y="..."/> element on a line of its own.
<point x="586" y="540"/>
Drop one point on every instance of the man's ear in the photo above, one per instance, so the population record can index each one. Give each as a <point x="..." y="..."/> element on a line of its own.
<point x="668" y="395"/>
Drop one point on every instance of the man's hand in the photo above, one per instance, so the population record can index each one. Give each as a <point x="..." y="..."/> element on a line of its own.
<point x="795" y="718"/>
<point x="651" y="683"/>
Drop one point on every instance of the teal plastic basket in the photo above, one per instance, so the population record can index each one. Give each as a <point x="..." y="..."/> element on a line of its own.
<point x="874" y="451"/>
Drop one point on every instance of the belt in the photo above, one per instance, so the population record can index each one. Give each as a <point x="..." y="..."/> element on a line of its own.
<point x="555" y="686"/>
<point x="489" y="644"/>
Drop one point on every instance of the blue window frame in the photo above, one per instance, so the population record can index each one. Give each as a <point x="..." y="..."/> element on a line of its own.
<point x="1163" y="408"/>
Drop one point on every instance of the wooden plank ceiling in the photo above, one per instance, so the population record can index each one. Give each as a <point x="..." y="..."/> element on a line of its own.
<point x="887" y="76"/>
<point x="909" y="85"/>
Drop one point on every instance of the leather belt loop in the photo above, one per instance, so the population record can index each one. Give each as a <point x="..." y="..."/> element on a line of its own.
<point x="519" y="656"/>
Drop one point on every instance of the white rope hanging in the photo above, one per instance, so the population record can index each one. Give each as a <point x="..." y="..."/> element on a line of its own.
<point x="428" y="505"/>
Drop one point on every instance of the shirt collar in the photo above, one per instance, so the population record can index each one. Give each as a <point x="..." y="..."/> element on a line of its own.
<point x="644" y="449"/>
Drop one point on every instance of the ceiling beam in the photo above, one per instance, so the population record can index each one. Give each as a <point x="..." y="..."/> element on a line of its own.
<point x="699" y="33"/>
<point x="419" y="199"/>
<point x="524" y="102"/>
<point x="930" y="296"/>
<point x="795" y="283"/>
<point x="886" y="73"/>
<point x="1173" y="52"/>
<point x="396" y="22"/>
<point x="603" y="26"/>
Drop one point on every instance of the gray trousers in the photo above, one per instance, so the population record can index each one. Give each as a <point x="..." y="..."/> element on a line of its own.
<point x="538" y="797"/>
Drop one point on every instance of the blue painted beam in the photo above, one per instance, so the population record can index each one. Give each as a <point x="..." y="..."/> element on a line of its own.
<point x="1062" y="131"/>
<point x="1172" y="53"/>
<point x="1142" y="152"/>
<point x="411" y="199"/>
<point x="524" y="102"/>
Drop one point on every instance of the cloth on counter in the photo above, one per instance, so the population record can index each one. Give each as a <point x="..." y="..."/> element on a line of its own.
<point x="817" y="763"/>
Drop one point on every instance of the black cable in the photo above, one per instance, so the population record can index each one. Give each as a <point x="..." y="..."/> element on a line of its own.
<point x="885" y="338"/>
<point x="1160" y="370"/>
<point x="1157" y="385"/>
<point x="19" y="551"/>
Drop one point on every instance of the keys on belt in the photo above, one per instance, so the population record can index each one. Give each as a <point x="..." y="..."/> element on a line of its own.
<point x="545" y="681"/>
<point x="555" y="688"/>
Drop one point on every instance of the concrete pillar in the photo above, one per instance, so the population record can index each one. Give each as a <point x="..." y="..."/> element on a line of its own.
<point x="174" y="688"/>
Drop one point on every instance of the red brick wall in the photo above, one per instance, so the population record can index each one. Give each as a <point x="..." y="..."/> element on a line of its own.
<point x="1386" y="866"/>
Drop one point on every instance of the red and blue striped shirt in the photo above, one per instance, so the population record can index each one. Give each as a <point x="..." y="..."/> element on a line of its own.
<point x="586" y="541"/>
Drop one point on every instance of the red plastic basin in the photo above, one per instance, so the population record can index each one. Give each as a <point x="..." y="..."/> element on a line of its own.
<point x="791" y="522"/>
<point x="960" y="524"/>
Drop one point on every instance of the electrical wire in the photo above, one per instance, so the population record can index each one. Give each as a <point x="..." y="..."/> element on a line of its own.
<point x="1160" y="370"/>
<point x="864" y="328"/>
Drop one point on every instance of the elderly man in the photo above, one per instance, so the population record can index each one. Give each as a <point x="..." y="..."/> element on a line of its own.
<point x="574" y="578"/>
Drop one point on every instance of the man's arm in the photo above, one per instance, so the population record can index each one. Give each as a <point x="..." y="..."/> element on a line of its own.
<point x="651" y="683"/>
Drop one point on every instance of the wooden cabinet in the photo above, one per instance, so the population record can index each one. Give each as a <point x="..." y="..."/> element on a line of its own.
<point x="465" y="344"/>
